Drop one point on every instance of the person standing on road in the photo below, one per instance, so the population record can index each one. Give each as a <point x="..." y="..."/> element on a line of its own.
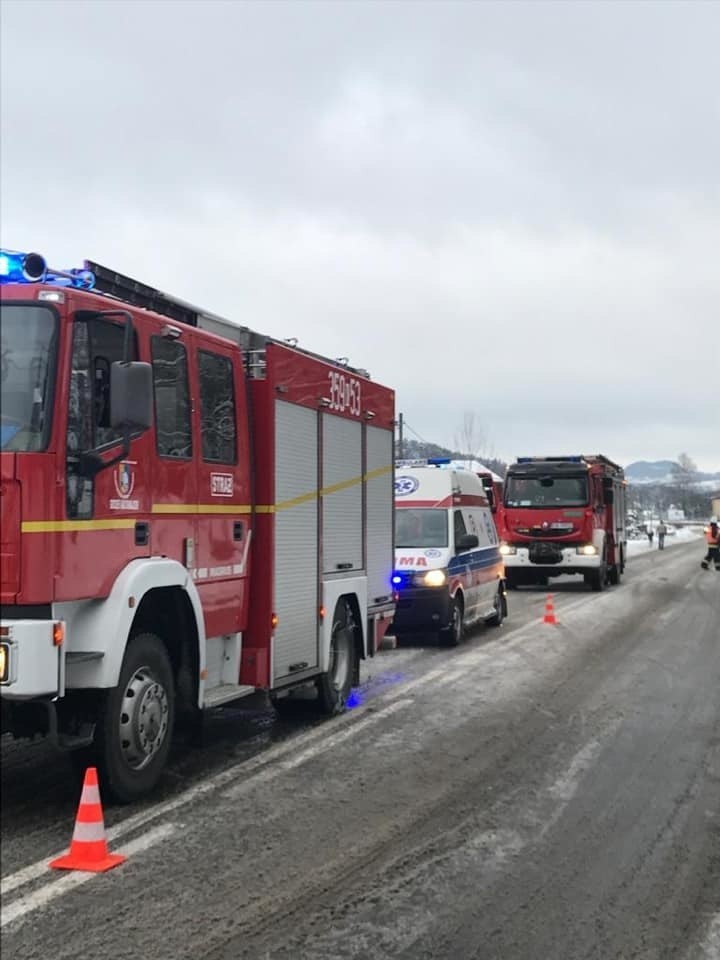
<point x="661" y="531"/>
<point x="713" y="541"/>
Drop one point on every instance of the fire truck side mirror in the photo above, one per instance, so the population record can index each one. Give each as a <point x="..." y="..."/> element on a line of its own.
<point x="131" y="396"/>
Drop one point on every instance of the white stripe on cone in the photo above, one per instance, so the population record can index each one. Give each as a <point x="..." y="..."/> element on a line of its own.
<point x="88" y="832"/>
<point x="90" y="794"/>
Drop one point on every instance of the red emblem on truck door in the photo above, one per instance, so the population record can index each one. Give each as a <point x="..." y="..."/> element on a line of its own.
<point x="124" y="479"/>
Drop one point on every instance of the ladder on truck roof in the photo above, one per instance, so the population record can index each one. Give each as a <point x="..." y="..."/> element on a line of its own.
<point x="590" y="458"/>
<point x="253" y="344"/>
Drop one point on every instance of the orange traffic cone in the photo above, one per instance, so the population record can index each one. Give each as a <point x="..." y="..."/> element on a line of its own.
<point x="549" y="610"/>
<point x="88" y="849"/>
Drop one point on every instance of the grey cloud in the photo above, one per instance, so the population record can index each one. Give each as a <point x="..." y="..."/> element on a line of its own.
<point x="513" y="207"/>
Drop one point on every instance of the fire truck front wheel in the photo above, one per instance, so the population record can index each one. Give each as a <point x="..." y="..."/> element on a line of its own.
<point x="135" y="725"/>
<point x="335" y="685"/>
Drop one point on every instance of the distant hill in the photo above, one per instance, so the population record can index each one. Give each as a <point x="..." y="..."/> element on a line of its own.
<point x="650" y="471"/>
<point x="663" y="472"/>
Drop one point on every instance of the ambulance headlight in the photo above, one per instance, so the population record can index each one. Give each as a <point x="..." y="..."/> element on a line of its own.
<point x="587" y="550"/>
<point x="506" y="550"/>
<point x="433" y="578"/>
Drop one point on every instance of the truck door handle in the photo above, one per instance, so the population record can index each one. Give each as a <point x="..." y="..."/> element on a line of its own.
<point x="238" y="530"/>
<point x="142" y="533"/>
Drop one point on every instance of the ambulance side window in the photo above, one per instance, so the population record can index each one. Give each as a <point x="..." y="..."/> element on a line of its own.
<point x="460" y="528"/>
<point x="173" y="431"/>
<point x="217" y="408"/>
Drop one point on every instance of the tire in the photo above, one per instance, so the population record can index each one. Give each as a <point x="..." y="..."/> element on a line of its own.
<point x="335" y="685"/>
<point x="500" y="609"/>
<point x="597" y="579"/>
<point x="614" y="573"/>
<point x="129" y="763"/>
<point x="454" y="634"/>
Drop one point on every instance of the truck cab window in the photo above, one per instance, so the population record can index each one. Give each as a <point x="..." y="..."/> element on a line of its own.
<point x="172" y="398"/>
<point x="97" y="344"/>
<point x="217" y="408"/>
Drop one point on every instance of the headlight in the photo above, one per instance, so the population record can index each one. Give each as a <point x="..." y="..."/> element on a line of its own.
<point x="506" y="550"/>
<point x="433" y="578"/>
<point x="4" y="662"/>
<point x="588" y="550"/>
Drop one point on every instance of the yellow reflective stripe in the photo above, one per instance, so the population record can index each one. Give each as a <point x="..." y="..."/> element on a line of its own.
<point x="72" y="526"/>
<point x="194" y="509"/>
<point x="379" y="472"/>
<point x="200" y="508"/>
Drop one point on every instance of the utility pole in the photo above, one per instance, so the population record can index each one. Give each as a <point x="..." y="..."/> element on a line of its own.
<point x="401" y="445"/>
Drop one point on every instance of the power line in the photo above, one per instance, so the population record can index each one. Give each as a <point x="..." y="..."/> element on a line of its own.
<point x="412" y="430"/>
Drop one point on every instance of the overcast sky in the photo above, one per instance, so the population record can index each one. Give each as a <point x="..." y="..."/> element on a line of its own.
<point x="511" y="209"/>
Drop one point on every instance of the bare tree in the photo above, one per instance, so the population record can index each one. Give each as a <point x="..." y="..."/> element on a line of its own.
<point x="471" y="439"/>
<point x="684" y="473"/>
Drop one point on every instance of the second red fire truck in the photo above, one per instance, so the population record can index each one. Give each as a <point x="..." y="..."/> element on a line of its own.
<point x="190" y="512"/>
<point x="564" y="515"/>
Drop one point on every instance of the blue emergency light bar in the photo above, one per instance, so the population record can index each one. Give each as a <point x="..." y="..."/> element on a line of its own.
<point x="16" y="267"/>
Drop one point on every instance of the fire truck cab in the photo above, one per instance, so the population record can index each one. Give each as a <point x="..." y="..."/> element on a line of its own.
<point x="191" y="511"/>
<point x="448" y="569"/>
<point x="564" y="515"/>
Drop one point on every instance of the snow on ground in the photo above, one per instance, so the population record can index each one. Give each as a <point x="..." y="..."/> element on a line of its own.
<point x="682" y="535"/>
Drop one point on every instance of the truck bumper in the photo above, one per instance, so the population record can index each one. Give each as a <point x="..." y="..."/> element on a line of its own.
<point x="32" y="659"/>
<point x="421" y="610"/>
<point x="564" y="560"/>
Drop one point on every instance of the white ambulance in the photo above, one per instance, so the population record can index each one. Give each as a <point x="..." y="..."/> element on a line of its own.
<point x="449" y="572"/>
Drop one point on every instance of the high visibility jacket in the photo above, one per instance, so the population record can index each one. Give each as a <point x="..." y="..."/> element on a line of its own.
<point x="713" y="539"/>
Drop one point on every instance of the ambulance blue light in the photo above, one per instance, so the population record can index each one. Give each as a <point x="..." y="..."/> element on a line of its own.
<point x="397" y="579"/>
<point x="438" y="461"/>
<point x="16" y="267"/>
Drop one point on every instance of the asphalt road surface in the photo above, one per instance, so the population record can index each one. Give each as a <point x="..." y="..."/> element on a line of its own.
<point x="540" y="793"/>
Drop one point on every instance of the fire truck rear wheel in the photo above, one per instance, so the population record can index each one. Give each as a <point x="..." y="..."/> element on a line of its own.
<point x="135" y="725"/>
<point x="335" y="685"/>
<point x="615" y="572"/>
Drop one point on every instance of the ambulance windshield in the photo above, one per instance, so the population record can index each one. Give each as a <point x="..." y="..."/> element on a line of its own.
<point x="419" y="527"/>
<point x="546" y="492"/>
<point x="28" y="336"/>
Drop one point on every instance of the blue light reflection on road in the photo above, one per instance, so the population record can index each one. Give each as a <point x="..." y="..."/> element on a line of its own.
<point x="360" y="695"/>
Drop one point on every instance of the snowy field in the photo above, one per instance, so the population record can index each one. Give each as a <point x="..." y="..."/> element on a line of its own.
<point x="681" y="535"/>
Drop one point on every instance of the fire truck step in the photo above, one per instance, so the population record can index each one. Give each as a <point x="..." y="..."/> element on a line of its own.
<point x="82" y="656"/>
<point x="225" y="693"/>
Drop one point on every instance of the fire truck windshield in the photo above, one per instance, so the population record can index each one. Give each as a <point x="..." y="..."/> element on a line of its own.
<point x="546" y="492"/>
<point x="28" y="335"/>
<point x="420" y="527"/>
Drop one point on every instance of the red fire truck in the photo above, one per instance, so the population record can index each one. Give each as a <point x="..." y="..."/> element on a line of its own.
<point x="564" y="515"/>
<point x="190" y="512"/>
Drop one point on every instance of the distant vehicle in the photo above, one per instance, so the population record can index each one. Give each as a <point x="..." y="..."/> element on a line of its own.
<point x="448" y="569"/>
<point x="564" y="515"/>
